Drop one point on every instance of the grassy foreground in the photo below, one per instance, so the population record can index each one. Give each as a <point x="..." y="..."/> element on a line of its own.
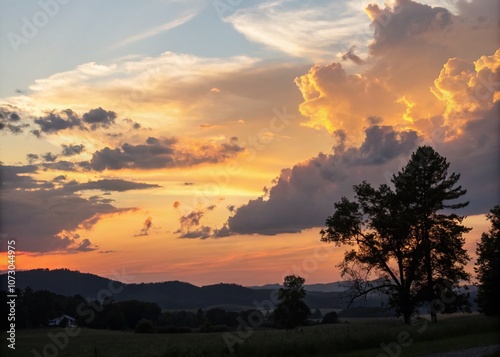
<point x="364" y="338"/>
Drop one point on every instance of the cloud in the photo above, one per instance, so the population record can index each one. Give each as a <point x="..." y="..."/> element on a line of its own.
<point x="405" y="23"/>
<point x="118" y="185"/>
<point x="467" y="86"/>
<point x="191" y="228"/>
<point x="146" y="226"/>
<point x="71" y="150"/>
<point x="85" y="246"/>
<point x="99" y="118"/>
<point x="350" y="55"/>
<point x="410" y="43"/>
<point x="332" y="100"/>
<point x="49" y="157"/>
<point x="156" y="30"/>
<point x="54" y="122"/>
<point x="10" y="119"/>
<point x="319" y="27"/>
<point x="162" y="153"/>
<point x="36" y="218"/>
<point x="302" y="197"/>
<point x="32" y="158"/>
<point x="59" y="178"/>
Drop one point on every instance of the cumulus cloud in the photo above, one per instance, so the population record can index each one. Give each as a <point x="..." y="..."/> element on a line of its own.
<point x="332" y="100"/>
<point x="467" y="86"/>
<point x="56" y="121"/>
<point x="409" y="45"/>
<point x="99" y="118"/>
<point x="71" y="150"/>
<point x="162" y="153"/>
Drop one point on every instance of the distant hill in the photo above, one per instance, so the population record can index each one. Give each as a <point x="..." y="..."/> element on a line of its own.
<point x="169" y="295"/>
<point x="326" y="288"/>
<point x="176" y="295"/>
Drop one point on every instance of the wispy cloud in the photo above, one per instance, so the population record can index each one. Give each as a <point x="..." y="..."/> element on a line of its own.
<point x="156" y="30"/>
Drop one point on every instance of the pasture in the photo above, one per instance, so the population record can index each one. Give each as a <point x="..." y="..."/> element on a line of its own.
<point x="356" y="338"/>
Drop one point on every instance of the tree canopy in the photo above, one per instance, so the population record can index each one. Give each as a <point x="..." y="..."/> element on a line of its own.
<point x="407" y="242"/>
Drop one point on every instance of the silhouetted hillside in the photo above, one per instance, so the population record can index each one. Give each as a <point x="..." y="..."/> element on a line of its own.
<point x="169" y="295"/>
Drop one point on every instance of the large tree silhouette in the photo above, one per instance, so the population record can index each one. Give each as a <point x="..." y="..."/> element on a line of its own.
<point x="488" y="266"/>
<point x="406" y="245"/>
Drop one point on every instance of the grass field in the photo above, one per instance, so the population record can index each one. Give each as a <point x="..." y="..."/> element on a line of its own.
<point x="360" y="338"/>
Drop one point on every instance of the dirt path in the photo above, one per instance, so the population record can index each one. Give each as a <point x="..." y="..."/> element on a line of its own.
<point x="470" y="352"/>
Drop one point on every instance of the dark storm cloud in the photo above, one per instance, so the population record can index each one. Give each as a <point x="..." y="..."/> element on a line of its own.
<point x="36" y="217"/>
<point x="405" y="23"/>
<point x="382" y="144"/>
<point x="161" y="153"/>
<point x="302" y="197"/>
<point x="99" y="118"/>
<point x="475" y="156"/>
<point x="70" y="150"/>
<point x="109" y="185"/>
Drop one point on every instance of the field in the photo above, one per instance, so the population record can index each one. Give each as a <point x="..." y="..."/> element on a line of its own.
<point x="355" y="338"/>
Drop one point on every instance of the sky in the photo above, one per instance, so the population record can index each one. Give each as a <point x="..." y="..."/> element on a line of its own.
<point x="207" y="140"/>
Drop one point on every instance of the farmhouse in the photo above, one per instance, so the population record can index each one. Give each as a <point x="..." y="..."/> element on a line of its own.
<point x="65" y="319"/>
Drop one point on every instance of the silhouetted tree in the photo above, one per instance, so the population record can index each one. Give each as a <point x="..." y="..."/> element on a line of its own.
<point x="291" y="310"/>
<point x="403" y="238"/>
<point x="488" y="266"/>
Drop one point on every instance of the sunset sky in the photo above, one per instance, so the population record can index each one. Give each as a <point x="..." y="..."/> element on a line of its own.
<point x="207" y="140"/>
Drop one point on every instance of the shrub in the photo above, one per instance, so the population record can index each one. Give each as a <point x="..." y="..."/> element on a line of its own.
<point x="144" y="326"/>
<point x="330" y="318"/>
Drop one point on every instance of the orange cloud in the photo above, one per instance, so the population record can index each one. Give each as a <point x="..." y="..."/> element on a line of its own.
<point x="466" y="86"/>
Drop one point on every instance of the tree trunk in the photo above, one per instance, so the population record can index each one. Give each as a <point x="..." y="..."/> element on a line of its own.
<point x="407" y="317"/>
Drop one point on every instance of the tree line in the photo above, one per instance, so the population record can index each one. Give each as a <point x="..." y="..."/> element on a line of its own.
<point x="35" y="308"/>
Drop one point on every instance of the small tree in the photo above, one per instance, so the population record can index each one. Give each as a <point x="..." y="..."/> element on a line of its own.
<point x="488" y="266"/>
<point x="292" y="311"/>
<point x="330" y="318"/>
